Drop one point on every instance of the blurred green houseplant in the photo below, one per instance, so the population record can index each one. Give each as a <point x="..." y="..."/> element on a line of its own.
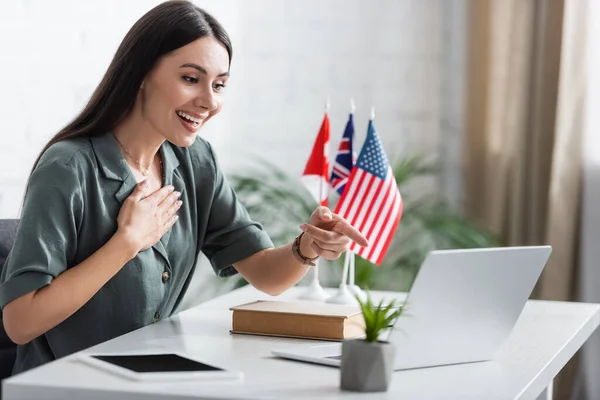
<point x="281" y="203"/>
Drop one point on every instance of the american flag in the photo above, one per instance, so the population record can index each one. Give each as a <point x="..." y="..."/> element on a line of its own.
<point x="372" y="202"/>
<point x="345" y="159"/>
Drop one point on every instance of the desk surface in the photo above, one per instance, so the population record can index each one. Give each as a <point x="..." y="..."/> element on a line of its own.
<point x="546" y="336"/>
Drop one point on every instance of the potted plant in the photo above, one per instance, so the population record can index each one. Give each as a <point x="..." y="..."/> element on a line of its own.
<point x="368" y="363"/>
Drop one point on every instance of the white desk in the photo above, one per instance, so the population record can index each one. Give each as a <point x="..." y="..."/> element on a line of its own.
<point x="547" y="335"/>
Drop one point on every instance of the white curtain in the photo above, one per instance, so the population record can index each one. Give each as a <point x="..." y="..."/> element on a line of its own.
<point x="589" y="279"/>
<point x="525" y="122"/>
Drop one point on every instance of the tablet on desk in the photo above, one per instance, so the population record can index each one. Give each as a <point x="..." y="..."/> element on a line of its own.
<point x="159" y="367"/>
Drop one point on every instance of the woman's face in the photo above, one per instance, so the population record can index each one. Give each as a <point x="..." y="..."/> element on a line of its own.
<point x="185" y="89"/>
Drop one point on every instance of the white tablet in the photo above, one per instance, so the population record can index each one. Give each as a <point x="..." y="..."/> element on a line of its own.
<point x="158" y="367"/>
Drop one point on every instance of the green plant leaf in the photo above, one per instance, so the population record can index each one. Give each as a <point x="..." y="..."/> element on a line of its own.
<point x="378" y="318"/>
<point x="413" y="166"/>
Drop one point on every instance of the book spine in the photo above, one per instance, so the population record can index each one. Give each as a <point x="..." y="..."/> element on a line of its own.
<point x="292" y="325"/>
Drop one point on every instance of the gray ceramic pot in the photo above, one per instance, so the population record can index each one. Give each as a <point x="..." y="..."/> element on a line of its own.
<point x="367" y="367"/>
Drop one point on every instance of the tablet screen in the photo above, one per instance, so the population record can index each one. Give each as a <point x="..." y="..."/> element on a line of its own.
<point x="157" y="363"/>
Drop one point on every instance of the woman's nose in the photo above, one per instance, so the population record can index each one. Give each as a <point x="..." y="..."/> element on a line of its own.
<point x="206" y="100"/>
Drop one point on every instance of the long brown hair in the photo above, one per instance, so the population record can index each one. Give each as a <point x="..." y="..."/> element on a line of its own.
<point x="165" y="28"/>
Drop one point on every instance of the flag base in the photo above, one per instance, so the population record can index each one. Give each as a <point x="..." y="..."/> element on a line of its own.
<point x="343" y="296"/>
<point x="314" y="292"/>
<point x="356" y="291"/>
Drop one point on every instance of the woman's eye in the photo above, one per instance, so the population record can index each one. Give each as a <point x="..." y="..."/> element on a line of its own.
<point x="219" y="86"/>
<point x="190" y="79"/>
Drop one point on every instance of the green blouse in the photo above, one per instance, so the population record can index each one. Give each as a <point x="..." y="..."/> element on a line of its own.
<point x="70" y="211"/>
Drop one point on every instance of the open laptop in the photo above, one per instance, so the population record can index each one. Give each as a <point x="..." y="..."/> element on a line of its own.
<point x="462" y="306"/>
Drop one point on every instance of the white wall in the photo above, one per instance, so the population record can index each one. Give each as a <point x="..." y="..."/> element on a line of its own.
<point x="296" y="54"/>
<point x="288" y="57"/>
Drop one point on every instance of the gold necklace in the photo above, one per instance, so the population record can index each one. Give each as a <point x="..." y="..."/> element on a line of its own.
<point x="145" y="169"/>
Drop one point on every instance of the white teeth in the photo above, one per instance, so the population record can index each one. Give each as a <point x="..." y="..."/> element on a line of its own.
<point x="195" y="120"/>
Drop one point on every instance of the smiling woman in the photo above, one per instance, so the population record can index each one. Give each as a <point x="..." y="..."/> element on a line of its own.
<point x="192" y="119"/>
<point x="124" y="198"/>
<point x="177" y="96"/>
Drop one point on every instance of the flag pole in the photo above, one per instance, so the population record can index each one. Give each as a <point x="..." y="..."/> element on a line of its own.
<point x="345" y="294"/>
<point x="350" y="253"/>
<point x="352" y="272"/>
<point x="316" y="267"/>
<point x="315" y="291"/>
<point x="355" y="289"/>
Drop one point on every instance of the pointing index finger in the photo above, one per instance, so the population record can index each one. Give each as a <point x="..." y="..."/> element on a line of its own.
<point x="351" y="232"/>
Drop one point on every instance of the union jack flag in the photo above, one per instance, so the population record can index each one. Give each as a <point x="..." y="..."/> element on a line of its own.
<point x="372" y="202"/>
<point x="345" y="159"/>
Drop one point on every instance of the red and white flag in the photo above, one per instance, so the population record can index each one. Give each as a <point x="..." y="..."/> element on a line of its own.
<point x="371" y="201"/>
<point x="316" y="173"/>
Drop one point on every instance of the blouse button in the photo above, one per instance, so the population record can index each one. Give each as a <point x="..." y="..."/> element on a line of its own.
<point x="166" y="276"/>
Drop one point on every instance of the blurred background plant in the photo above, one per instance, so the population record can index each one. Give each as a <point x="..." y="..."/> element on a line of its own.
<point x="280" y="203"/>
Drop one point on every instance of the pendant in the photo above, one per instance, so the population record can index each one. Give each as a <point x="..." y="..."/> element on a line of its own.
<point x="145" y="172"/>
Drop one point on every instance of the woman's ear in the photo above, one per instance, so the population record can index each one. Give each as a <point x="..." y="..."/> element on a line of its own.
<point x="142" y="86"/>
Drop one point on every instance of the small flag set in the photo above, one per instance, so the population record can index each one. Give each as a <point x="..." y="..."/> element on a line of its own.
<point x="369" y="199"/>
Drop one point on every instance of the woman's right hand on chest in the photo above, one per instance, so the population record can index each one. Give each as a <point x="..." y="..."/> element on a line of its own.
<point x="144" y="220"/>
